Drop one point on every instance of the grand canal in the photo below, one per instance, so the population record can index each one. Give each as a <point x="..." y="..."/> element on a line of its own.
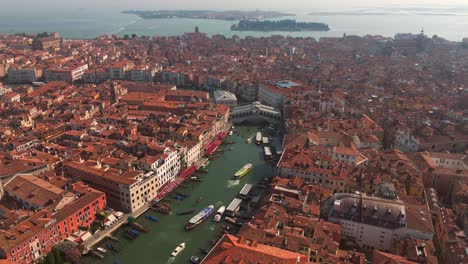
<point x="217" y="188"/>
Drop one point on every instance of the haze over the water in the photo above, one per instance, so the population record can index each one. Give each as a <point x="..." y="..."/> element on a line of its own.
<point x="303" y="5"/>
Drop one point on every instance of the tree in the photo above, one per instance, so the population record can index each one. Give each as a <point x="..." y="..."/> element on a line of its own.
<point x="126" y="37"/>
<point x="134" y="36"/>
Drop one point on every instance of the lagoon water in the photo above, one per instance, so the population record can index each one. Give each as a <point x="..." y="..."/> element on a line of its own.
<point x="85" y="23"/>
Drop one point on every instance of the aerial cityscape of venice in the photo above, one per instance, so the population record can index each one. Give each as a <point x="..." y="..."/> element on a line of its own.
<point x="283" y="141"/>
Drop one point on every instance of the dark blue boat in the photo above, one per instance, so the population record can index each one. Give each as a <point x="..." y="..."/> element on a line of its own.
<point x="178" y="197"/>
<point x="152" y="218"/>
<point x="135" y="232"/>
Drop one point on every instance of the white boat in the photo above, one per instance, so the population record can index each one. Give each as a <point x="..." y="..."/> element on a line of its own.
<point x="219" y="214"/>
<point x="102" y="250"/>
<point x="258" y="138"/>
<point x="230" y="133"/>
<point x="199" y="218"/>
<point x="178" y="249"/>
<point x="249" y="140"/>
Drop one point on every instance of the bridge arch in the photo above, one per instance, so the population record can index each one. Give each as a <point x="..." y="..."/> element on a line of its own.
<point x="255" y="112"/>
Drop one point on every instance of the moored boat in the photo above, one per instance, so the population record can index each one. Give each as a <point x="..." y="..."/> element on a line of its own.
<point x="205" y="164"/>
<point x="219" y="214"/>
<point x="243" y="171"/>
<point x="199" y="218"/>
<point x="194" y="259"/>
<point x="186" y="212"/>
<point x="178" y="249"/>
<point x="100" y="249"/>
<point x="152" y="218"/>
<point x="258" y="138"/>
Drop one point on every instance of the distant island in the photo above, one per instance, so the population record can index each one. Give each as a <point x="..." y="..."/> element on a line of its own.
<point x="207" y="14"/>
<point x="281" y="25"/>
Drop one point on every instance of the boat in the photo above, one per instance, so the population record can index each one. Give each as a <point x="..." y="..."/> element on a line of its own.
<point x="139" y="227"/>
<point x="205" y="164"/>
<point x="243" y="171"/>
<point x="234" y="221"/>
<point x="219" y="214"/>
<point x="178" y="249"/>
<point x="129" y="235"/>
<point x="152" y="218"/>
<point x="258" y="138"/>
<point x="194" y="259"/>
<point x="199" y="218"/>
<point x="111" y="247"/>
<point x="186" y="212"/>
<point x="162" y="208"/>
<point x="204" y="251"/>
<point x="178" y="197"/>
<point x="102" y="250"/>
<point x="249" y="140"/>
<point x="134" y="232"/>
<point x="230" y="133"/>
<point x="98" y="254"/>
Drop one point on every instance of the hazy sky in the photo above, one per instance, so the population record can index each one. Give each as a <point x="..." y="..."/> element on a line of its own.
<point x="306" y="5"/>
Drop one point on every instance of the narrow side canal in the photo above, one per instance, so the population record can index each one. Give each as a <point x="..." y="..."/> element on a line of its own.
<point x="217" y="188"/>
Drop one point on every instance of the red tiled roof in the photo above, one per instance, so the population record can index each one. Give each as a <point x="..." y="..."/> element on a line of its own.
<point x="231" y="249"/>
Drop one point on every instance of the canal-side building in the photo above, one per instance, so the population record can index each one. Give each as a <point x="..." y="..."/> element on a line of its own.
<point x="374" y="223"/>
<point x="165" y="166"/>
<point x="126" y="191"/>
<point x="274" y="93"/>
<point x="316" y="167"/>
<point x="129" y="190"/>
<point x="191" y="152"/>
<point x="27" y="236"/>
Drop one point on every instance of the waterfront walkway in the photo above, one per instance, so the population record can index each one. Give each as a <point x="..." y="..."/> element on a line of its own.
<point x="101" y="234"/>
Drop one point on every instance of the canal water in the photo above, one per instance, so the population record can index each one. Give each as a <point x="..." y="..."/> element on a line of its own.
<point x="217" y="188"/>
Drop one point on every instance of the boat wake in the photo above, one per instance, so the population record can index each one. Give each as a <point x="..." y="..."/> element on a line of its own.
<point x="212" y="227"/>
<point x="124" y="27"/>
<point x="218" y="204"/>
<point x="233" y="183"/>
<point x="171" y="260"/>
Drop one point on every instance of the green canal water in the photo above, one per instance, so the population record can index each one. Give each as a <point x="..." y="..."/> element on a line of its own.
<point x="217" y="188"/>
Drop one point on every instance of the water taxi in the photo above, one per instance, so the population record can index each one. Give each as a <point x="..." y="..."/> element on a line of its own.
<point x="219" y="214"/>
<point x="243" y="171"/>
<point x="258" y="138"/>
<point x="199" y="218"/>
<point x="178" y="249"/>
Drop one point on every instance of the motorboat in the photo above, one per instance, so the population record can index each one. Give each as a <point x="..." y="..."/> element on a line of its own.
<point x="178" y="249"/>
<point x="219" y="214"/>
